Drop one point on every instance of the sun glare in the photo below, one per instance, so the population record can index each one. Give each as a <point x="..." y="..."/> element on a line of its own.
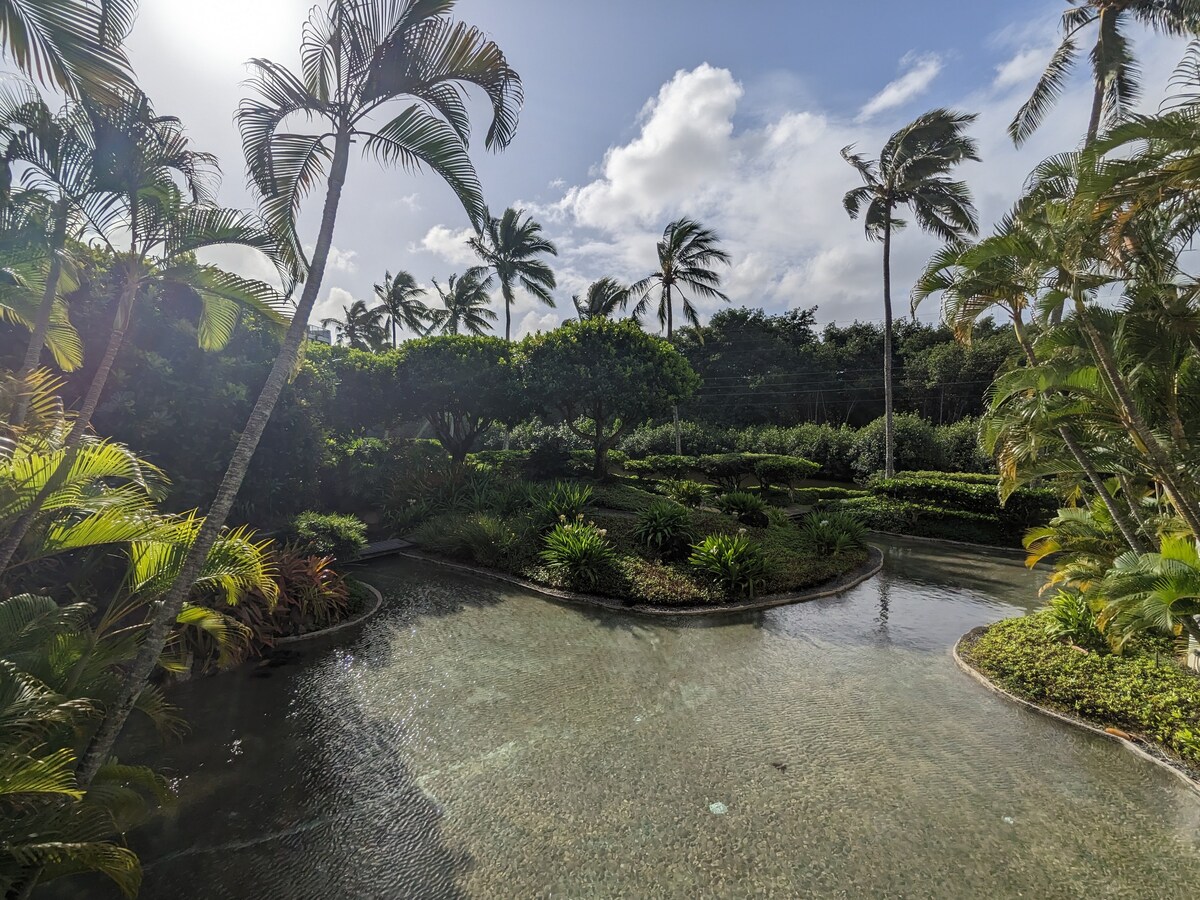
<point x="219" y="33"/>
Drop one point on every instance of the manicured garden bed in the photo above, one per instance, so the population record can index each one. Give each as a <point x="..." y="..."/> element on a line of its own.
<point x="1143" y="692"/>
<point x="619" y="541"/>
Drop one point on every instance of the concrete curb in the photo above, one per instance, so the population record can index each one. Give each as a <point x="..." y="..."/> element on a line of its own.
<point x="1130" y="745"/>
<point x="341" y="626"/>
<point x="839" y="585"/>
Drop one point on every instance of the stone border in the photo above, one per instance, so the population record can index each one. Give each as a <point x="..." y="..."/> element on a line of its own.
<point x="1159" y="758"/>
<point x="341" y="626"/>
<point x="838" y="585"/>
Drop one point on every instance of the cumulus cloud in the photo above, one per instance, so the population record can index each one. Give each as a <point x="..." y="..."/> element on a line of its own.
<point x="920" y="71"/>
<point x="342" y="260"/>
<point x="331" y="306"/>
<point x="449" y="244"/>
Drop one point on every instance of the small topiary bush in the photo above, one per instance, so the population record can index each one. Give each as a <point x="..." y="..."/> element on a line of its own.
<point x="665" y="529"/>
<point x="785" y="471"/>
<point x="749" y="509"/>
<point x="832" y="533"/>
<point x="734" y="562"/>
<point x="325" y="534"/>
<point x="578" y="553"/>
<point x="667" y="465"/>
<point x="1136" y="692"/>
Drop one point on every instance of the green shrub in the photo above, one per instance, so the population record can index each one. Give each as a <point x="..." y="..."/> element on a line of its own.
<point x="923" y="520"/>
<point x="325" y="534"/>
<point x="696" y="437"/>
<point x="772" y="470"/>
<point x="1137" y="692"/>
<point x="579" y="553"/>
<point x="500" y="463"/>
<point x="623" y="497"/>
<point x="1069" y="617"/>
<point x="749" y="509"/>
<point x="832" y="533"/>
<point x="829" y="446"/>
<point x="664" y="528"/>
<point x="1024" y="508"/>
<point x="960" y="447"/>
<point x="548" y="461"/>
<point x="563" y="501"/>
<point x="917" y="447"/>
<point x="690" y="493"/>
<point x="728" y="469"/>
<point x="490" y="540"/>
<point x="814" y="494"/>
<point x="667" y="465"/>
<point x="733" y="562"/>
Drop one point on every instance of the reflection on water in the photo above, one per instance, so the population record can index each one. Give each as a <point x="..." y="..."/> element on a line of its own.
<point x="477" y="741"/>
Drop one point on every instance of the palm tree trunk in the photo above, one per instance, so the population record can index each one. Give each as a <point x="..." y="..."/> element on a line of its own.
<point x="889" y="436"/>
<point x="102" y="742"/>
<point x="507" y="320"/>
<point x="1098" y="88"/>
<point x="37" y="339"/>
<point x="674" y="407"/>
<point x="20" y="528"/>
<point x="1127" y="528"/>
<point x="1137" y="424"/>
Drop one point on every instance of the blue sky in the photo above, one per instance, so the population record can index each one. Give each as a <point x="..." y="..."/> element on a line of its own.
<point x="639" y="112"/>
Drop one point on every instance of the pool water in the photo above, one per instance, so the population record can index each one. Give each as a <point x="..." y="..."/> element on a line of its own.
<point x="475" y="740"/>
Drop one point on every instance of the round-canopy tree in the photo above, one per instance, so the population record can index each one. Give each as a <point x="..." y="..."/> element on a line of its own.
<point x="460" y="385"/>
<point x="611" y="374"/>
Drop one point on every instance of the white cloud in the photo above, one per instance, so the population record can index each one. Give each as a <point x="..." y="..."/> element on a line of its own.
<point x="331" y="306"/>
<point x="343" y="260"/>
<point x="773" y="192"/>
<point x="1023" y="67"/>
<point x="921" y="71"/>
<point x="449" y="244"/>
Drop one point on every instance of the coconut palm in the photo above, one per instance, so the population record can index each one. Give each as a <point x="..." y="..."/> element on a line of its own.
<point x="74" y="45"/>
<point x="509" y="247"/>
<point x="687" y="255"/>
<point x="1114" y="69"/>
<point x="358" y="57"/>
<point x="466" y="304"/>
<point x="601" y="300"/>
<point x="912" y="171"/>
<point x="400" y="295"/>
<point x="1154" y="591"/>
<point x="362" y="327"/>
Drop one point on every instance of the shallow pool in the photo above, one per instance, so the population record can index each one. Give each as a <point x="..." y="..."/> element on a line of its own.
<point x="478" y="741"/>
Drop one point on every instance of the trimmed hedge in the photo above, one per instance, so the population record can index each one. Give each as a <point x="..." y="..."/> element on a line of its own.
<point x="1136" y="692"/>
<point x="1024" y="508"/>
<point x="924" y="520"/>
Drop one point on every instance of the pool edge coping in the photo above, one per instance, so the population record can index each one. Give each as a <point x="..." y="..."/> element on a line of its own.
<point x="839" y="585"/>
<point x="340" y="626"/>
<point x="1132" y="746"/>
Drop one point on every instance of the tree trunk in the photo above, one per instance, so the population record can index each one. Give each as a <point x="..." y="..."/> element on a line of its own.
<point x="674" y="406"/>
<point x="20" y="528"/>
<point x="889" y="436"/>
<point x="1126" y="527"/>
<point x="37" y="338"/>
<point x="102" y="743"/>
<point x="1093" y="130"/>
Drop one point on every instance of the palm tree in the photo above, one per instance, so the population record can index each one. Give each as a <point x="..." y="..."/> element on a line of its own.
<point x="400" y="296"/>
<point x="1154" y="591"/>
<point x="56" y="154"/>
<point x="466" y="303"/>
<point x="601" y="300"/>
<point x="1114" y="69"/>
<point x="363" y="327"/>
<point x="160" y="228"/>
<point x="686" y="257"/>
<point x="509" y="247"/>
<point x="358" y="57"/>
<point x="912" y="171"/>
<point x="71" y="44"/>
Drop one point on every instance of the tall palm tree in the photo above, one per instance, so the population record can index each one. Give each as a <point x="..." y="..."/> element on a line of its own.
<point x="912" y="171"/>
<point x="159" y="227"/>
<point x="601" y="300"/>
<point x="363" y="328"/>
<point x="74" y="45"/>
<point x="358" y="56"/>
<point x="687" y="255"/>
<point x="509" y="247"/>
<point x="466" y="304"/>
<point x="400" y="295"/>
<point x="56" y="157"/>
<point x="1114" y="69"/>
